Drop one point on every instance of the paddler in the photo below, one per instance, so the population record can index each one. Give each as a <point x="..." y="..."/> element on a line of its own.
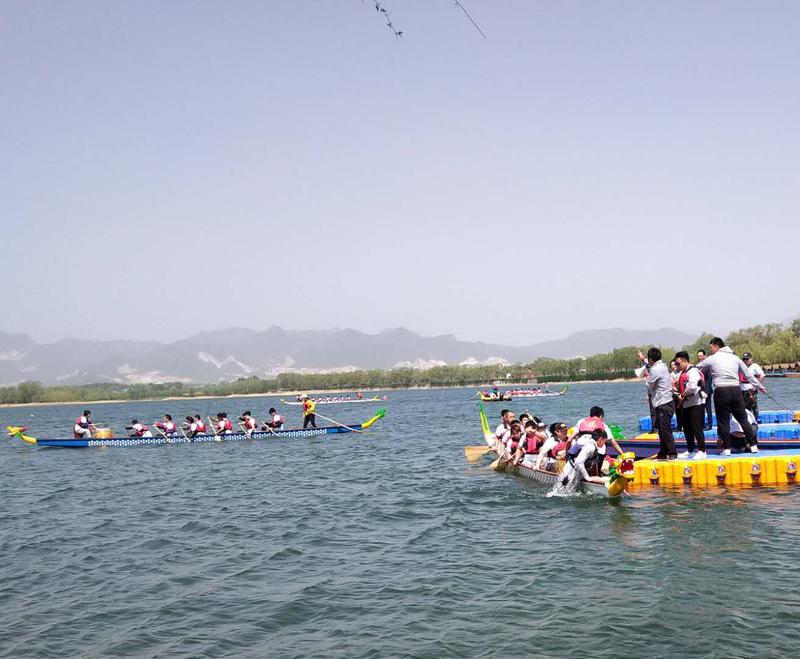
<point x="507" y="417"/>
<point x="532" y="442"/>
<point x="83" y="426"/>
<point x="554" y="447"/>
<point x="248" y="423"/>
<point x="309" y="417"/>
<point x="513" y="439"/>
<point x="582" y="453"/>
<point x="167" y="426"/>
<point x="194" y="426"/>
<point x="138" y="429"/>
<point x="596" y="419"/>
<point x="275" y="420"/>
<point x="223" y="424"/>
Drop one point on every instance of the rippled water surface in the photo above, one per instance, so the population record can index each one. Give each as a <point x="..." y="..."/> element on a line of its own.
<point x="382" y="544"/>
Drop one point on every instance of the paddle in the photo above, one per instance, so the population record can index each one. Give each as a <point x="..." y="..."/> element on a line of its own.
<point x="161" y="432"/>
<point x="185" y="436"/>
<point x="248" y="433"/>
<point x="474" y="453"/>
<point x="268" y="427"/>
<point x="784" y="407"/>
<point x="325" y="418"/>
<point x="501" y="463"/>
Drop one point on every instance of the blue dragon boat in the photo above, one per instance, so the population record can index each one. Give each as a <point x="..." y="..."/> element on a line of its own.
<point x="296" y="433"/>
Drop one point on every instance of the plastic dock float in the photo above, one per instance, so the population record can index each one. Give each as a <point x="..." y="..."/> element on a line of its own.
<point x="743" y="469"/>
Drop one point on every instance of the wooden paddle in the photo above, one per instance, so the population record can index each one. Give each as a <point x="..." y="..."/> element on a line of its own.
<point x="248" y="433"/>
<point x="474" y="453"/>
<point x="268" y="427"/>
<point x="161" y="432"/>
<point x="184" y="434"/>
<point x="325" y="418"/>
<point x="501" y="463"/>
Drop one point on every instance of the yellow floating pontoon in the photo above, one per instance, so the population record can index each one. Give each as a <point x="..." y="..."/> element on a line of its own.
<point x="745" y="469"/>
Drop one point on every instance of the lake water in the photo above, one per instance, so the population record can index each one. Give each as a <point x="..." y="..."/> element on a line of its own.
<point x="382" y="544"/>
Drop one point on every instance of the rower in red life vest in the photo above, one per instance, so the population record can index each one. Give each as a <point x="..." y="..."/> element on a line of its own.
<point x="589" y="424"/>
<point x="223" y="425"/>
<point x="275" y="420"/>
<point x="532" y="442"/>
<point x="248" y="423"/>
<point x="199" y="425"/>
<point x="554" y="447"/>
<point x="193" y="426"/>
<point x="83" y="426"/>
<point x="513" y="438"/>
<point x="167" y="426"/>
<point x="138" y="429"/>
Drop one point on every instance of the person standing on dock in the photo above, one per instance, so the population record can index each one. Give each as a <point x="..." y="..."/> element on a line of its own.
<point x="659" y="386"/>
<point x="309" y="416"/>
<point x="691" y="398"/>
<point x="749" y="392"/>
<point x="701" y="355"/>
<point x="723" y="368"/>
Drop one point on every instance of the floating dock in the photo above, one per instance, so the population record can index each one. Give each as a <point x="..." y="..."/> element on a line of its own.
<point x="743" y="469"/>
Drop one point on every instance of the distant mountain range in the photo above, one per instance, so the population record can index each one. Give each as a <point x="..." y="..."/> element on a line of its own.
<point x="233" y="353"/>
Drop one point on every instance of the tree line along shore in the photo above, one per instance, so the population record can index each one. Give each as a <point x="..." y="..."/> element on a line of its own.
<point x="773" y="343"/>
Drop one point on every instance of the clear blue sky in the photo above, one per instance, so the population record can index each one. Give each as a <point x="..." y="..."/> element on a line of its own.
<point x="169" y="167"/>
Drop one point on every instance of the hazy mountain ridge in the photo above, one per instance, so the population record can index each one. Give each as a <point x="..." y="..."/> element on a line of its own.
<point x="233" y="353"/>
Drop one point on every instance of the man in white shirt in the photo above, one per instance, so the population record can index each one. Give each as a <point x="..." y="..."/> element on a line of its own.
<point x="659" y="386"/>
<point x="749" y="392"/>
<point x="726" y="371"/>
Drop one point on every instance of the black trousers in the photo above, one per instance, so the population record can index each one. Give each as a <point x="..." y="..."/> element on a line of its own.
<point x="728" y="402"/>
<point x="751" y="401"/>
<point x="709" y="410"/>
<point x="678" y="413"/>
<point x="693" y="418"/>
<point x="666" y="440"/>
<point x="310" y="418"/>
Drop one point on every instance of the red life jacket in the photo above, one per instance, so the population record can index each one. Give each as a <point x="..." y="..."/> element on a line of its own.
<point x="684" y="378"/>
<point x="558" y="447"/>
<point x="531" y="444"/>
<point x="590" y="424"/>
<point x="250" y="424"/>
<point x="200" y="426"/>
<point x="226" y="424"/>
<point x="82" y="421"/>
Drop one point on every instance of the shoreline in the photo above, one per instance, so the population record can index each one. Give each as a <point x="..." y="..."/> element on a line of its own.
<point x="292" y="394"/>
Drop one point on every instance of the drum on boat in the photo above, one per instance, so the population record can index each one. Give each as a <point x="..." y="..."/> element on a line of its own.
<point x="103" y="433"/>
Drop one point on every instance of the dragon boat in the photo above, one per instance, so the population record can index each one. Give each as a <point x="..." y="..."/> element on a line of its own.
<point x="337" y="401"/>
<point x="485" y="398"/>
<point x="533" y="394"/>
<point x="620" y="473"/>
<point x="297" y="433"/>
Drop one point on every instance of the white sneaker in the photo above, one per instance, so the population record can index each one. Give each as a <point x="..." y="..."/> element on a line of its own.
<point x="754" y="448"/>
<point x="700" y="455"/>
<point x="685" y="455"/>
<point x="726" y="451"/>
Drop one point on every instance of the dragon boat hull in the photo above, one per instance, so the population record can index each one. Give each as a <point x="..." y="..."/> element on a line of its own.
<point x="375" y="399"/>
<point x="296" y="433"/>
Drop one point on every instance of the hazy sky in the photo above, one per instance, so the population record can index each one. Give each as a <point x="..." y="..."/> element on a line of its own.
<point x="170" y="167"/>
